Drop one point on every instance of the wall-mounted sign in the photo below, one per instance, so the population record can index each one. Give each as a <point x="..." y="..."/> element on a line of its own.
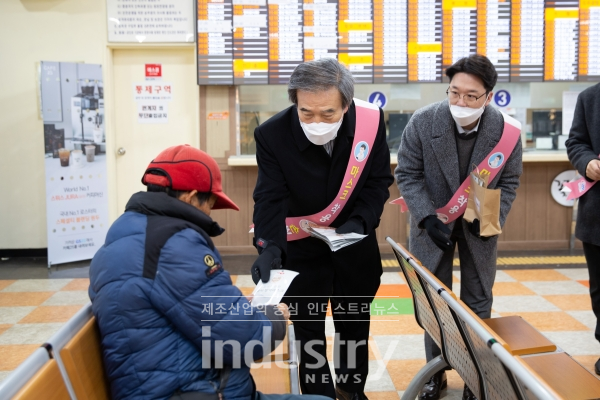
<point x="153" y="72"/>
<point x="150" y="21"/>
<point x="153" y="112"/>
<point x="378" y="98"/>
<point x="559" y="191"/>
<point x="502" y="98"/>
<point x="218" y="116"/>
<point x="147" y="91"/>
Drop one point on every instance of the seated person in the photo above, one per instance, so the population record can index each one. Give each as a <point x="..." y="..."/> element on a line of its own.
<point x="162" y="300"/>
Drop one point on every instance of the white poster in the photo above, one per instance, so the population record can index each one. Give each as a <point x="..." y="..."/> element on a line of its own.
<point x="152" y="91"/>
<point x="153" y="112"/>
<point x="75" y="160"/>
<point x="150" y="21"/>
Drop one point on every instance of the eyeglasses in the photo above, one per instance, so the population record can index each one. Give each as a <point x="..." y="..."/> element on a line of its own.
<point x="469" y="99"/>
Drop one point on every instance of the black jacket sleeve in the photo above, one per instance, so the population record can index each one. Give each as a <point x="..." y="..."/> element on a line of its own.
<point x="579" y="144"/>
<point x="373" y="195"/>
<point x="270" y="196"/>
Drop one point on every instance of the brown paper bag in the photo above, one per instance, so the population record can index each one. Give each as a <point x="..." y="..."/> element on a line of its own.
<point x="484" y="205"/>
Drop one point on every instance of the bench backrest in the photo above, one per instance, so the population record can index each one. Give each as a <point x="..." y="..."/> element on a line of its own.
<point x="46" y="384"/>
<point x="82" y="358"/>
<point x="502" y="375"/>
<point x="499" y="382"/>
<point x="458" y="352"/>
<point x="424" y="314"/>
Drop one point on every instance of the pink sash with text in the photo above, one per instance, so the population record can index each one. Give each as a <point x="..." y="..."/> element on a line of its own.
<point x="579" y="188"/>
<point x="491" y="164"/>
<point x="367" y="124"/>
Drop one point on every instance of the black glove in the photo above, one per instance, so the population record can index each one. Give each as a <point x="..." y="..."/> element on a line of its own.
<point x="474" y="228"/>
<point x="353" y="225"/>
<point x="436" y="229"/>
<point x="269" y="259"/>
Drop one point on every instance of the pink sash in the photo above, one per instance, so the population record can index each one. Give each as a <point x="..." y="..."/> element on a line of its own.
<point x="493" y="161"/>
<point x="367" y="124"/>
<point x="579" y="188"/>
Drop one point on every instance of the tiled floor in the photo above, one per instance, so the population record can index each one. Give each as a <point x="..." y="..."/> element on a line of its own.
<point x="555" y="301"/>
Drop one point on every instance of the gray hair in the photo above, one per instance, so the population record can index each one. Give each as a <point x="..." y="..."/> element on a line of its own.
<point x="320" y="75"/>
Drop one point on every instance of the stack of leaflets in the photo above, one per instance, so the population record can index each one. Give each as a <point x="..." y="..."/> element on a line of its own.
<point x="335" y="241"/>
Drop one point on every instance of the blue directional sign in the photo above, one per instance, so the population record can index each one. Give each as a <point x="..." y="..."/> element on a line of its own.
<point x="378" y="99"/>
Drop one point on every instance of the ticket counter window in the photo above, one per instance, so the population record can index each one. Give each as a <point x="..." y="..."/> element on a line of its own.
<point x="538" y="106"/>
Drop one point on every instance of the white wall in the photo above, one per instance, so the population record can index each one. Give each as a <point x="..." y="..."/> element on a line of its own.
<point x="31" y="31"/>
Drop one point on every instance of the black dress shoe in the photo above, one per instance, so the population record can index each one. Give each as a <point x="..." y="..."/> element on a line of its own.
<point x="341" y="394"/>
<point x="467" y="394"/>
<point x="432" y="389"/>
<point x="597" y="367"/>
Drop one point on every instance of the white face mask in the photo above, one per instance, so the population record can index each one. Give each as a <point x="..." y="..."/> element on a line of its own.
<point x="322" y="132"/>
<point x="465" y="115"/>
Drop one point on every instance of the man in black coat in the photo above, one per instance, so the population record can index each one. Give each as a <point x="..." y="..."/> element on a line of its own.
<point x="302" y="156"/>
<point x="583" y="147"/>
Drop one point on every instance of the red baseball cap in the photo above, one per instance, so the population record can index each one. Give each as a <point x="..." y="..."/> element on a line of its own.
<point x="186" y="168"/>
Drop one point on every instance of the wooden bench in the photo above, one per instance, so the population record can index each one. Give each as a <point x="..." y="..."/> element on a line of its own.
<point x="272" y="377"/>
<point x="495" y="366"/>
<point x="278" y="372"/>
<point x="38" y="377"/>
<point x="76" y="367"/>
<point x="46" y="384"/>
<point x="82" y="358"/>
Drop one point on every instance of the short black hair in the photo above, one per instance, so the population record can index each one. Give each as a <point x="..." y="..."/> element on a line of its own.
<point x="363" y="146"/>
<point x="202" y="197"/>
<point x="477" y="65"/>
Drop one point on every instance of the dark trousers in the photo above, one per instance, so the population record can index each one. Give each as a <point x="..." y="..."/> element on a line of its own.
<point x="351" y="287"/>
<point x="592" y="256"/>
<point x="471" y="290"/>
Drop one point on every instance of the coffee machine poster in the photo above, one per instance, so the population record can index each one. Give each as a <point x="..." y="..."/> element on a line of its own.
<point x="75" y="160"/>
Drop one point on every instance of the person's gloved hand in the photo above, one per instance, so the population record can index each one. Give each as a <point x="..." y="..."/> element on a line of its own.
<point x="353" y="225"/>
<point x="269" y="259"/>
<point x="436" y="229"/>
<point x="475" y="229"/>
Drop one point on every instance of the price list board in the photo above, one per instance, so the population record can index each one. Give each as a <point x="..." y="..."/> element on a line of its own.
<point x="390" y="39"/>
<point x="215" y="42"/>
<point x="424" y="40"/>
<point x="527" y="41"/>
<point x="250" y="42"/>
<point x="589" y="40"/>
<point x="355" y="40"/>
<point x="459" y="39"/>
<point x="561" y="38"/>
<point x="285" y="39"/>
<point x="397" y="41"/>
<point x="493" y="34"/>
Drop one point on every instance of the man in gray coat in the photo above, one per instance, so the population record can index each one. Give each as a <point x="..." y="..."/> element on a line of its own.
<point x="583" y="148"/>
<point x="439" y="145"/>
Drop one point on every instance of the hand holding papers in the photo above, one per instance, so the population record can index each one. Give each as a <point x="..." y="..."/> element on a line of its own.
<point x="335" y="241"/>
<point x="270" y="293"/>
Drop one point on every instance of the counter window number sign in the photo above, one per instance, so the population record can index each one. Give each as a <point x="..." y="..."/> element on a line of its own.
<point x="502" y="98"/>
<point x="378" y="99"/>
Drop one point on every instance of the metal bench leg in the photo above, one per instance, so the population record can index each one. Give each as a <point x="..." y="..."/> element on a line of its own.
<point x="422" y="377"/>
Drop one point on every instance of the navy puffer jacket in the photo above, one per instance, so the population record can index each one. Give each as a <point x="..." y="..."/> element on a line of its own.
<point x="163" y="302"/>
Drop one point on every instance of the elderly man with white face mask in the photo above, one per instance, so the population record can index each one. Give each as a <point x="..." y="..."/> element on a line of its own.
<point x="439" y="147"/>
<point x="324" y="161"/>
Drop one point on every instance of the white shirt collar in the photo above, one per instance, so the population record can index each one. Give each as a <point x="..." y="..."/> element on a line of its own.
<point x="461" y="130"/>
